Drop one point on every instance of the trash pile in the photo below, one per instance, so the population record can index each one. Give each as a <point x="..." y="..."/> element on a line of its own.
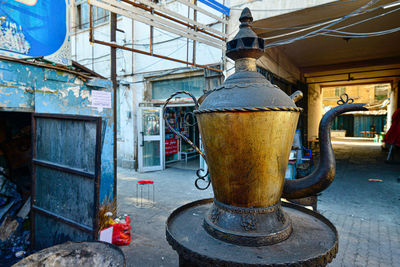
<point x="14" y="223"/>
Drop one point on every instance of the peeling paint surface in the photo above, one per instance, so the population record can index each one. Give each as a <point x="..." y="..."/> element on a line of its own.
<point x="30" y="88"/>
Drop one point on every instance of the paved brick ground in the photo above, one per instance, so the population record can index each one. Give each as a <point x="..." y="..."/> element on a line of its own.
<point x="366" y="214"/>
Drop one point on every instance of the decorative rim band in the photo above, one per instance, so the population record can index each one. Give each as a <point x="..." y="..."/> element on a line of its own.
<point x="244" y="210"/>
<point x="250" y="109"/>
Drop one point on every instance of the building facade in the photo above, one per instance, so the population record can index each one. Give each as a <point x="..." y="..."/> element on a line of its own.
<point x="145" y="82"/>
<point x="299" y="56"/>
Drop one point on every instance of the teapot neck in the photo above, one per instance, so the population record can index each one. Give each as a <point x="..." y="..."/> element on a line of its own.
<point x="245" y="64"/>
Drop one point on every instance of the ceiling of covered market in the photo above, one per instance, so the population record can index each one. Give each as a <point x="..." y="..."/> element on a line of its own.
<point x="324" y="52"/>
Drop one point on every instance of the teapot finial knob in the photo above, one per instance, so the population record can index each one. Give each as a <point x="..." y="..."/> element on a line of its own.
<point x="246" y="43"/>
<point x="246" y="16"/>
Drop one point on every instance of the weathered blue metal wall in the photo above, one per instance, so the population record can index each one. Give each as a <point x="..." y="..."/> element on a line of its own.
<point x="359" y="125"/>
<point x="344" y="122"/>
<point x="17" y="83"/>
<point x="24" y="87"/>
<point x="364" y="124"/>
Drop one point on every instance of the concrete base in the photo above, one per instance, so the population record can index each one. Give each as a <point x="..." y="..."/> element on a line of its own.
<point x="126" y="164"/>
<point x="338" y="133"/>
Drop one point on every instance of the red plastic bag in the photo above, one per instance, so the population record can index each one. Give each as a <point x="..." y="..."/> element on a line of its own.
<point x="122" y="233"/>
<point x="118" y="234"/>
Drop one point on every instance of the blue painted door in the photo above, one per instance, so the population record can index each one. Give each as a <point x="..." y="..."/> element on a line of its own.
<point x="66" y="179"/>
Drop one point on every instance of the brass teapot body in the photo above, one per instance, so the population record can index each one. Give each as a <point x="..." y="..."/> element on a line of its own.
<point x="247" y="127"/>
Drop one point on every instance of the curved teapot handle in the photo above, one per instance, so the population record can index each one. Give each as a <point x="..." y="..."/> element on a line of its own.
<point x="172" y="129"/>
<point x="196" y="103"/>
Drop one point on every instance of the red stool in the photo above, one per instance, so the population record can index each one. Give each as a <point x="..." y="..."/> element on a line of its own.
<point x="143" y="183"/>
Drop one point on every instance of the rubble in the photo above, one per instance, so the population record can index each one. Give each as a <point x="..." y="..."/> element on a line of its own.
<point x="7" y="228"/>
<point x="14" y="233"/>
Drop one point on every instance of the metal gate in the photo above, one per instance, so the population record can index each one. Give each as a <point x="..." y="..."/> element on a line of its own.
<point x="65" y="178"/>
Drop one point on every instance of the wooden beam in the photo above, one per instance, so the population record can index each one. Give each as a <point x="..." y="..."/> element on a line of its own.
<point x="355" y="83"/>
<point x="350" y="65"/>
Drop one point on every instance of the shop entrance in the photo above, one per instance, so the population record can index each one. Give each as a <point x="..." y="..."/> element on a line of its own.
<point x="15" y="183"/>
<point x="178" y="153"/>
<point x="150" y="128"/>
<point x="15" y="149"/>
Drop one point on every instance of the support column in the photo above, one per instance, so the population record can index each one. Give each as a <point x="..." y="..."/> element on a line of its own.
<point x="113" y="74"/>
<point x="315" y="111"/>
<point x="394" y="95"/>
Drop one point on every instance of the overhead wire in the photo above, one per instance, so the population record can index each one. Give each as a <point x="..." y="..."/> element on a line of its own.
<point x="359" y="35"/>
<point x="307" y="27"/>
<point x="341" y="34"/>
<point x="368" y="19"/>
<point x="301" y="30"/>
<point x="288" y="41"/>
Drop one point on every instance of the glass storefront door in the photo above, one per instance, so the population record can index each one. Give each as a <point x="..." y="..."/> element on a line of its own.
<point x="151" y="129"/>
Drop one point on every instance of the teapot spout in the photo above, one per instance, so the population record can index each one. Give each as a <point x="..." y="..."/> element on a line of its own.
<point x="324" y="174"/>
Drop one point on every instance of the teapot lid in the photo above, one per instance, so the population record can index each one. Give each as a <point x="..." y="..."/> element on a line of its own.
<point x="246" y="89"/>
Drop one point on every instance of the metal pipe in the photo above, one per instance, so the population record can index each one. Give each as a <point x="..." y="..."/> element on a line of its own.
<point x="90" y="24"/>
<point x="155" y="55"/>
<point x="187" y="39"/>
<point x="194" y="41"/>
<point x="171" y="18"/>
<point x="113" y="37"/>
<point x="151" y="39"/>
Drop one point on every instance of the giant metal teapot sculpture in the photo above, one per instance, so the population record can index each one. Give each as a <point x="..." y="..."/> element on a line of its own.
<point x="247" y="127"/>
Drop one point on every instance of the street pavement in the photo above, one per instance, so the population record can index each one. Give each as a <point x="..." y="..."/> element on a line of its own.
<point x="365" y="213"/>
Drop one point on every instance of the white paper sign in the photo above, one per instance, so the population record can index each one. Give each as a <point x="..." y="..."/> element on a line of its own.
<point x="101" y="99"/>
<point x="106" y="235"/>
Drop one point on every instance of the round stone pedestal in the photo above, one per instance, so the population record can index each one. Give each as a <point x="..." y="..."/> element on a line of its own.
<point x="313" y="241"/>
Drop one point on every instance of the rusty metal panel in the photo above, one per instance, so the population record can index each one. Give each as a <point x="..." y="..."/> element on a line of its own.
<point x="66" y="194"/>
<point x="66" y="174"/>
<point x="59" y="141"/>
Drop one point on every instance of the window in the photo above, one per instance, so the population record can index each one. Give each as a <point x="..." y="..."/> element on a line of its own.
<point x="82" y="15"/>
<point x="340" y="91"/>
<point x="212" y="78"/>
<point x="382" y="91"/>
<point x="163" y="89"/>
